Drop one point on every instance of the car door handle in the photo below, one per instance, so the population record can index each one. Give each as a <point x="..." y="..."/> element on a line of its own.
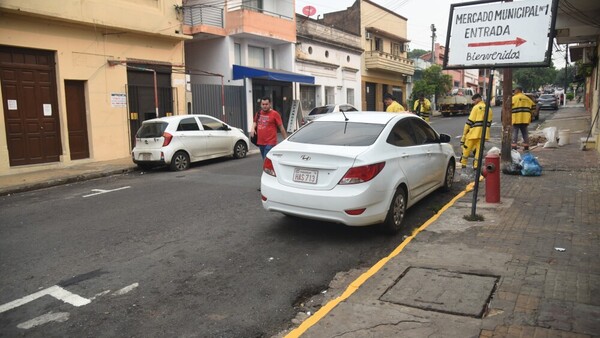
<point x="404" y="156"/>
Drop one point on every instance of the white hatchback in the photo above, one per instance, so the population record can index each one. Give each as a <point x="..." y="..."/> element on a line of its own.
<point x="357" y="168"/>
<point x="177" y="141"/>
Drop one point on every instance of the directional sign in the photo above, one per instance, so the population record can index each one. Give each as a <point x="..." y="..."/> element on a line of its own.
<point x="490" y="34"/>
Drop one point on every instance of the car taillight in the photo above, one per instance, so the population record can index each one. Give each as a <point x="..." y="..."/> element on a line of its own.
<point x="362" y="174"/>
<point x="168" y="137"/>
<point x="268" y="167"/>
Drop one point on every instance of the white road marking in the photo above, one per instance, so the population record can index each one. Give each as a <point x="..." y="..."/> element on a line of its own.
<point x="126" y="289"/>
<point x="54" y="291"/>
<point x="100" y="294"/>
<point x="43" y="319"/>
<point x="102" y="191"/>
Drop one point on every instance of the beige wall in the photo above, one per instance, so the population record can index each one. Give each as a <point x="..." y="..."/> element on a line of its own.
<point x="82" y="53"/>
<point x="152" y="17"/>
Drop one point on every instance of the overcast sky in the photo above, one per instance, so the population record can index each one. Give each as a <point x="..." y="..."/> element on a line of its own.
<point x="420" y="14"/>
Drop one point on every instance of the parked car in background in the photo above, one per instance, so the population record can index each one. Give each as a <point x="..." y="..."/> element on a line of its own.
<point x="179" y="140"/>
<point x="498" y="100"/>
<point x="317" y="112"/>
<point x="535" y="110"/>
<point x="547" y="101"/>
<point x="361" y="168"/>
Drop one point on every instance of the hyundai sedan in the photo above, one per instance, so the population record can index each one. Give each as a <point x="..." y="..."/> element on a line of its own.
<point x="357" y="168"/>
<point x="177" y="141"/>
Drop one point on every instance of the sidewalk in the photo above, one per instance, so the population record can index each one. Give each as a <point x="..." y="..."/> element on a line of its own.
<point x="531" y="268"/>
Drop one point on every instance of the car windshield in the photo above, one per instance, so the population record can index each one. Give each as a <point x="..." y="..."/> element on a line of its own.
<point x="153" y="129"/>
<point x="547" y="97"/>
<point x="338" y="133"/>
<point x="321" y="110"/>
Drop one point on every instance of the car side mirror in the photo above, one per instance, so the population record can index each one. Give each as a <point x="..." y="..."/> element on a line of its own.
<point x="445" y="138"/>
<point x="225" y="127"/>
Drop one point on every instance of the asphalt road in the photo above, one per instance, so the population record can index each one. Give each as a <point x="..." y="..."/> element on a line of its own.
<point x="174" y="254"/>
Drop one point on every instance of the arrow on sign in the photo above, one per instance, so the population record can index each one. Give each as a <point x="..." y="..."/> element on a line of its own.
<point x="517" y="42"/>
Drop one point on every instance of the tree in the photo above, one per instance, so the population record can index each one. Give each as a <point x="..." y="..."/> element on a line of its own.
<point x="531" y="79"/>
<point x="417" y="53"/>
<point x="433" y="82"/>
<point x="559" y="80"/>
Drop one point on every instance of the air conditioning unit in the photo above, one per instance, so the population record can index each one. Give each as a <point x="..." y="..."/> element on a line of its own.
<point x="409" y="79"/>
<point x="368" y="35"/>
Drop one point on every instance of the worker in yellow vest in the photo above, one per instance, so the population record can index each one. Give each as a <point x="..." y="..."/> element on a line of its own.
<point x="422" y="107"/>
<point x="521" y="117"/>
<point x="392" y="106"/>
<point x="473" y="130"/>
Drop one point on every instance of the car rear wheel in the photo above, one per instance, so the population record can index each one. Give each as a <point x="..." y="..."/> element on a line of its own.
<point x="449" y="177"/>
<point x="395" y="215"/>
<point x="240" y="150"/>
<point x="180" y="161"/>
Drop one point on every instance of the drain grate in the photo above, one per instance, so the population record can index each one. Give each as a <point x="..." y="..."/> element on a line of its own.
<point x="443" y="291"/>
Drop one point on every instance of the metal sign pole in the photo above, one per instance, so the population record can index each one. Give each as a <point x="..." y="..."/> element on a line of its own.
<point x="482" y="143"/>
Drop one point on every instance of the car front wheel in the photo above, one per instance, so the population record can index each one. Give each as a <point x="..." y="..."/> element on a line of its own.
<point x="449" y="177"/>
<point x="240" y="150"/>
<point x="180" y="161"/>
<point x="395" y="215"/>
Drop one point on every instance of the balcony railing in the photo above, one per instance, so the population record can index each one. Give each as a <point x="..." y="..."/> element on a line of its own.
<point x="382" y="61"/>
<point x="259" y="10"/>
<point x="196" y="15"/>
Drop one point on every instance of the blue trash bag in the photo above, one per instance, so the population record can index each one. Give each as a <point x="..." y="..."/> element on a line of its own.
<point x="531" y="166"/>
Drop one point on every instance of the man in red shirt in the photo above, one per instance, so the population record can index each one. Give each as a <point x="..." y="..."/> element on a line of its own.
<point x="266" y="122"/>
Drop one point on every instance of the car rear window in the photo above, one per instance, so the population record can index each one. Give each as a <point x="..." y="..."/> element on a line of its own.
<point x="547" y="97"/>
<point x="149" y="130"/>
<point x="338" y="133"/>
<point x="320" y="110"/>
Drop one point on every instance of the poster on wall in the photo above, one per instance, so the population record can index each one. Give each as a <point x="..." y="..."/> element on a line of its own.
<point x="118" y="100"/>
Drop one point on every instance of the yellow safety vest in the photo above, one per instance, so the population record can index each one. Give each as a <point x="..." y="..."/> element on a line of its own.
<point x="474" y="126"/>
<point x="521" y="109"/>
<point x="394" y="107"/>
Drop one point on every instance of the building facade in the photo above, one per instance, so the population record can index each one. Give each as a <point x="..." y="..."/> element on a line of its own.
<point x="78" y="80"/>
<point x="384" y="64"/>
<point x="241" y="51"/>
<point x="333" y="57"/>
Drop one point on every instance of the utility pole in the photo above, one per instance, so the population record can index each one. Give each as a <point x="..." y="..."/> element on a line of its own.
<point x="433" y="44"/>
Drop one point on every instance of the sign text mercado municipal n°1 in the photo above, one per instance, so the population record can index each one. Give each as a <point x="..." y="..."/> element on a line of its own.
<point x="490" y="34"/>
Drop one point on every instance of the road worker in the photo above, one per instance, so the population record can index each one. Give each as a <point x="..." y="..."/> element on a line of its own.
<point x="521" y="117"/>
<point x="422" y="107"/>
<point x="472" y="132"/>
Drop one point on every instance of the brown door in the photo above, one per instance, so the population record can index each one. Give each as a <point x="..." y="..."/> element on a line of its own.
<point x="76" y="120"/>
<point x="30" y="105"/>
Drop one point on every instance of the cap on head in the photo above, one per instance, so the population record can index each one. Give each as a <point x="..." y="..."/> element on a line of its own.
<point x="388" y="96"/>
<point x="519" y="88"/>
<point x="475" y="97"/>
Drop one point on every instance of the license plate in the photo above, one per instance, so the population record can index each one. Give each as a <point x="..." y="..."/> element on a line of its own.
<point x="306" y="175"/>
<point x="146" y="156"/>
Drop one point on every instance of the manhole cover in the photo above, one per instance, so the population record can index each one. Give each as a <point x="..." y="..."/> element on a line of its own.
<point x="443" y="291"/>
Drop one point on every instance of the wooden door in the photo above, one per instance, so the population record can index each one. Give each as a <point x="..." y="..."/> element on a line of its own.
<point x="76" y="119"/>
<point x="30" y="105"/>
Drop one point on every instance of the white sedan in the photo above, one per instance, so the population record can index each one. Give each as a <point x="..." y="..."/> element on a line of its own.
<point x="357" y="168"/>
<point x="178" y="140"/>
